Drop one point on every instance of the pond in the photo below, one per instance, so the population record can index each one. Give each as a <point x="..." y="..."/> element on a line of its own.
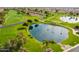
<point x="48" y="32"/>
<point x="69" y="19"/>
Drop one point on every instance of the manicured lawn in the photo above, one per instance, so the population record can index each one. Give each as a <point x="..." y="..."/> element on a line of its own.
<point x="32" y="44"/>
<point x="55" y="47"/>
<point x="13" y="17"/>
<point x="8" y="33"/>
<point x="11" y="32"/>
<point x="72" y="40"/>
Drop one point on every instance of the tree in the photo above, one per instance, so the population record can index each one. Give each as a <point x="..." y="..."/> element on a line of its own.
<point x="30" y="21"/>
<point x="46" y="12"/>
<point x="71" y="13"/>
<point x="41" y="11"/>
<point x="36" y="10"/>
<point x="46" y="42"/>
<point x="25" y="24"/>
<point x="56" y="10"/>
<point x="76" y="27"/>
<point x="23" y="49"/>
<point x="30" y="27"/>
<point x="77" y="14"/>
<point x="13" y="17"/>
<point x="1" y="21"/>
<point x="16" y="44"/>
<point x="53" y="42"/>
<point x="35" y="20"/>
<point x="36" y="25"/>
<point x="28" y="13"/>
<point x="22" y="28"/>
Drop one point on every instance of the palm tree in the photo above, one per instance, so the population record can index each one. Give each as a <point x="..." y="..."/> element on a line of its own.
<point x="10" y="46"/>
<point x="46" y="42"/>
<point x="16" y="44"/>
<point x="23" y="49"/>
<point x="46" y="45"/>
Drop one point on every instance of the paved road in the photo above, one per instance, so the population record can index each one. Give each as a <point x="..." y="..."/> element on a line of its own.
<point x="73" y="49"/>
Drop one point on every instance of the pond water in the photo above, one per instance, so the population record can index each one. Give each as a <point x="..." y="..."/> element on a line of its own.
<point x="48" y="32"/>
<point x="69" y="19"/>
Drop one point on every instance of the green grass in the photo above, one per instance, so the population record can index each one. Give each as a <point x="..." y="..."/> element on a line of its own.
<point x="55" y="47"/>
<point x="32" y="44"/>
<point x="72" y="40"/>
<point x="11" y="32"/>
<point x="13" y="17"/>
<point x="8" y="33"/>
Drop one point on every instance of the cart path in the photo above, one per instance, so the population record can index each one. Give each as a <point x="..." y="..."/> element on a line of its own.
<point x="11" y="25"/>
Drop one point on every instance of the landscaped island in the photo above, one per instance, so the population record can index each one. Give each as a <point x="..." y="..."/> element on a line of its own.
<point x="38" y="29"/>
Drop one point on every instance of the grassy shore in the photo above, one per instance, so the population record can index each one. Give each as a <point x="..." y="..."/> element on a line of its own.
<point x="32" y="44"/>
